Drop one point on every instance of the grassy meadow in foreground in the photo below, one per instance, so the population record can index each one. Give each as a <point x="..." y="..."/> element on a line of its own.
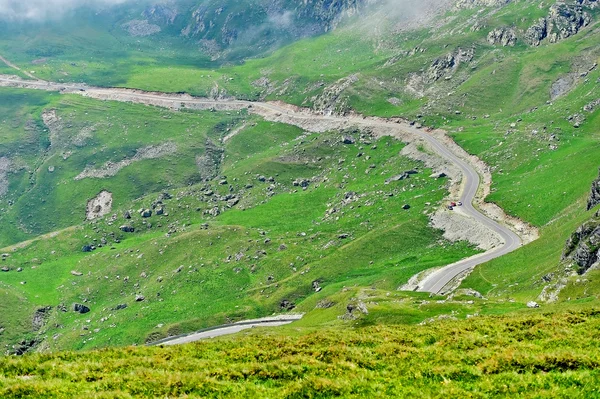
<point x="538" y="354"/>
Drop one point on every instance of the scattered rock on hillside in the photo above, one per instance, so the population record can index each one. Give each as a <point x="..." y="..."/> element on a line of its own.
<point x="79" y="308"/>
<point x="120" y="306"/>
<point x="562" y="86"/>
<point x="594" y="195"/>
<point x="286" y="305"/>
<point x="139" y="298"/>
<point x="5" y="167"/>
<point x="127" y="228"/>
<point x="145" y="213"/>
<point x="301" y="183"/>
<point x="164" y="14"/>
<point x="23" y="347"/>
<point x="76" y="273"/>
<point x="348" y="140"/>
<point x="354" y="310"/>
<point x="324" y="304"/>
<point x="532" y="304"/>
<point x="504" y="36"/>
<point x="439" y="175"/>
<point x="316" y="286"/>
<point x="591" y="107"/>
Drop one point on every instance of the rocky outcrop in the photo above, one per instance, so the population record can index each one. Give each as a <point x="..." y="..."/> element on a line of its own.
<point x="563" y="21"/>
<point x="332" y="100"/>
<point x="566" y="20"/>
<point x="448" y="64"/>
<point x="592" y="106"/>
<point x="40" y="317"/>
<point x="504" y="36"/>
<point x="583" y="247"/>
<point x="594" y="195"/>
<point x="81" y="309"/>
<point x="591" y="4"/>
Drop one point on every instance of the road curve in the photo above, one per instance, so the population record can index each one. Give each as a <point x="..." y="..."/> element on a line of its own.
<point x="434" y="282"/>
<point x="228" y="329"/>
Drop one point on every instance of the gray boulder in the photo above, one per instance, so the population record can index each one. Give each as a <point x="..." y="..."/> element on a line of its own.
<point x="79" y="308"/>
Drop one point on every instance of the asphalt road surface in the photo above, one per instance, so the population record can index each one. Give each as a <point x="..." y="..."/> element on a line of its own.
<point x="231" y="329"/>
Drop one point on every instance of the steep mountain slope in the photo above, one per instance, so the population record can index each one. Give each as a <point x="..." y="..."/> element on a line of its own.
<point x="103" y="45"/>
<point x="514" y="82"/>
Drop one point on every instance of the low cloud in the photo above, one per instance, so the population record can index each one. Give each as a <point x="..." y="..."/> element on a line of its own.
<point x="38" y="10"/>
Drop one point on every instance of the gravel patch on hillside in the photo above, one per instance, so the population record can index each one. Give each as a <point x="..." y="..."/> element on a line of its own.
<point x="100" y="205"/>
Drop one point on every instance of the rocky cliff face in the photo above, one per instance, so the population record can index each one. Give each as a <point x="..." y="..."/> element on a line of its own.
<point x="219" y="26"/>
<point x="222" y="24"/>
<point x="583" y="247"/>
<point x="594" y="195"/>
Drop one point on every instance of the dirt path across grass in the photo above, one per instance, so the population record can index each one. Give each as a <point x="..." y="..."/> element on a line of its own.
<point x="13" y="66"/>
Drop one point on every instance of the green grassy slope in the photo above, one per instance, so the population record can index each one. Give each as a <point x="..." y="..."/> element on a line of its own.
<point x="530" y="355"/>
<point x="196" y="267"/>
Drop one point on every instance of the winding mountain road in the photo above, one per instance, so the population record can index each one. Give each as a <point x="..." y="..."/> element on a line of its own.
<point x="310" y="121"/>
